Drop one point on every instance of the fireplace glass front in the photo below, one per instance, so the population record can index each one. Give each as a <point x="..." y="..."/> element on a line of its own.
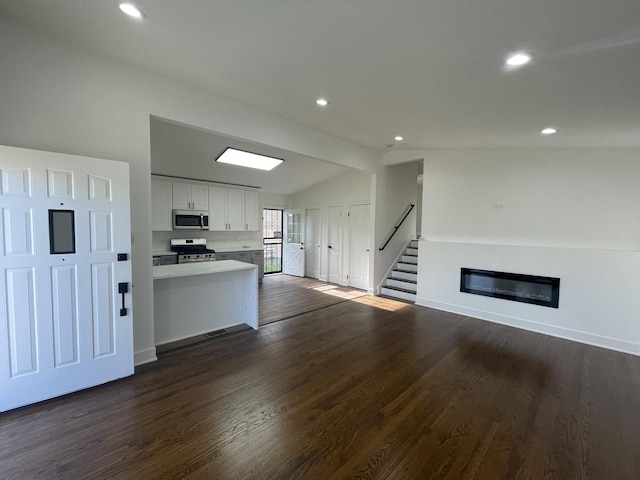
<point x="517" y="287"/>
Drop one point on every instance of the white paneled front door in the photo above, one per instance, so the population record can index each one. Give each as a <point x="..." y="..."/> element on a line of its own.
<point x="359" y="245"/>
<point x="64" y="220"/>
<point x="335" y="244"/>
<point x="293" y="244"/>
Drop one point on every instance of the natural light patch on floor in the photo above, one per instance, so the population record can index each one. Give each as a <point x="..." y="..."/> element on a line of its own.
<point x="382" y="303"/>
<point x="337" y="291"/>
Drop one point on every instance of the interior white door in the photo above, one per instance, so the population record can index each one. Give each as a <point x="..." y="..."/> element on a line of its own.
<point x="312" y="240"/>
<point x="359" y="245"/>
<point x="335" y="244"/>
<point x="65" y="219"/>
<point x="293" y="245"/>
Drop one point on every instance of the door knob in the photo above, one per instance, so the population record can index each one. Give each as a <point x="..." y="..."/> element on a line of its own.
<point x="329" y="246"/>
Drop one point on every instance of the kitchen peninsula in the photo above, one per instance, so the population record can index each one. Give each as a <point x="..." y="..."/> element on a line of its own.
<point x="193" y="299"/>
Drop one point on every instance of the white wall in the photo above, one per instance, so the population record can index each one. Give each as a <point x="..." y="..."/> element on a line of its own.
<point x="571" y="214"/>
<point x="215" y="240"/>
<point x="348" y="189"/>
<point x="274" y="200"/>
<point x="57" y="97"/>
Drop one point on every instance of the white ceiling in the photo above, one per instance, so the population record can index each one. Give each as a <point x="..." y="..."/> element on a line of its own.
<point x="189" y="152"/>
<point x="430" y="70"/>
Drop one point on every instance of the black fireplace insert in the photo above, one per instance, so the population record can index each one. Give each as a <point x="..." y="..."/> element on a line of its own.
<point x="517" y="287"/>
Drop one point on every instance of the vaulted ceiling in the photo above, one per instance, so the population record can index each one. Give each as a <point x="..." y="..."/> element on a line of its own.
<point x="429" y="70"/>
<point x="190" y="152"/>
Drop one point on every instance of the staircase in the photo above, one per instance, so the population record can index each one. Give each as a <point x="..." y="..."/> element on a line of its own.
<point x="402" y="281"/>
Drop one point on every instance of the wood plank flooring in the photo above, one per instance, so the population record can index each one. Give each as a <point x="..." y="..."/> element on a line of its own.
<point x="363" y="389"/>
<point x="284" y="296"/>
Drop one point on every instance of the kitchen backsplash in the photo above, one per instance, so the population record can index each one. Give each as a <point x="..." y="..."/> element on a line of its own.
<point x="161" y="240"/>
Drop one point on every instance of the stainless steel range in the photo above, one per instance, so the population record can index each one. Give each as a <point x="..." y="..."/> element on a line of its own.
<point x="191" y="250"/>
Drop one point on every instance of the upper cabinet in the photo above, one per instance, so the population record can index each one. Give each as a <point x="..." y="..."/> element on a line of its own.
<point x="252" y="217"/>
<point x="232" y="209"/>
<point x="190" y="196"/>
<point x="235" y="209"/>
<point x="218" y="209"/>
<point x="161" y="205"/>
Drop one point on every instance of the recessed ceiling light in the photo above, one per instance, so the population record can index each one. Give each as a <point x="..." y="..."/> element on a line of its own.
<point x="518" y="59"/>
<point x="131" y="10"/>
<point x="548" y="131"/>
<point x="322" y="102"/>
<point x="248" y="159"/>
<point x="398" y="138"/>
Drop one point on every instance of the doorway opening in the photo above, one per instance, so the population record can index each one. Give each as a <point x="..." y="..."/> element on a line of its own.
<point x="272" y="239"/>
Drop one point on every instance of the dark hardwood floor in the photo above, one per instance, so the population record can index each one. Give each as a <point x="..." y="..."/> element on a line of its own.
<point x="362" y="389"/>
<point x="285" y="296"/>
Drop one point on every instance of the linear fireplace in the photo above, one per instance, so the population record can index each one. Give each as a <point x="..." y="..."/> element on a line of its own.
<point x="543" y="291"/>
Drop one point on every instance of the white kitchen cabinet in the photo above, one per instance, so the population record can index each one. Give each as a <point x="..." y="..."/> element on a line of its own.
<point x="233" y="209"/>
<point x="218" y="209"/>
<point x="161" y="205"/>
<point x="252" y="215"/>
<point x="226" y="209"/>
<point x="190" y="196"/>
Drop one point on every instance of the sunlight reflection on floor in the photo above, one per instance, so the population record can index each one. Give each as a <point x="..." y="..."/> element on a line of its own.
<point x="359" y="296"/>
<point x="336" y="291"/>
<point x="382" y="303"/>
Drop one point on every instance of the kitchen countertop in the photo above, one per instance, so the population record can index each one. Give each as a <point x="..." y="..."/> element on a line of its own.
<point x="163" y="252"/>
<point x="199" y="268"/>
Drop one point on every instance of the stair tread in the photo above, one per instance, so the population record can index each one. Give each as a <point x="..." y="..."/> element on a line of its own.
<point x="403" y="280"/>
<point x="404" y="271"/>
<point x="399" y="289"/>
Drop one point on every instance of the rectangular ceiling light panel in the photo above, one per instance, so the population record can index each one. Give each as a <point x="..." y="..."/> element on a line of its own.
<point x="248" y="159"/>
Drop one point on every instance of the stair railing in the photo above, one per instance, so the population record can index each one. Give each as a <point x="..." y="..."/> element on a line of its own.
<point x="403" y="216"/>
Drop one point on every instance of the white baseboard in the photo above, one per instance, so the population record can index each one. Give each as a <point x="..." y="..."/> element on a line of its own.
<point x="323" y="278"/>
<point x="370" y="291"/>
<point x="560" y="332"/>
<point x="144" y="356"/>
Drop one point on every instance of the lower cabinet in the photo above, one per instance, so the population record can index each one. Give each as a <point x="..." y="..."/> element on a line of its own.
<point x="255" y="257"/>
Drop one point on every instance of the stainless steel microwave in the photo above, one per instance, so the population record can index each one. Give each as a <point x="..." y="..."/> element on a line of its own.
<point x="190" y="220"/>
